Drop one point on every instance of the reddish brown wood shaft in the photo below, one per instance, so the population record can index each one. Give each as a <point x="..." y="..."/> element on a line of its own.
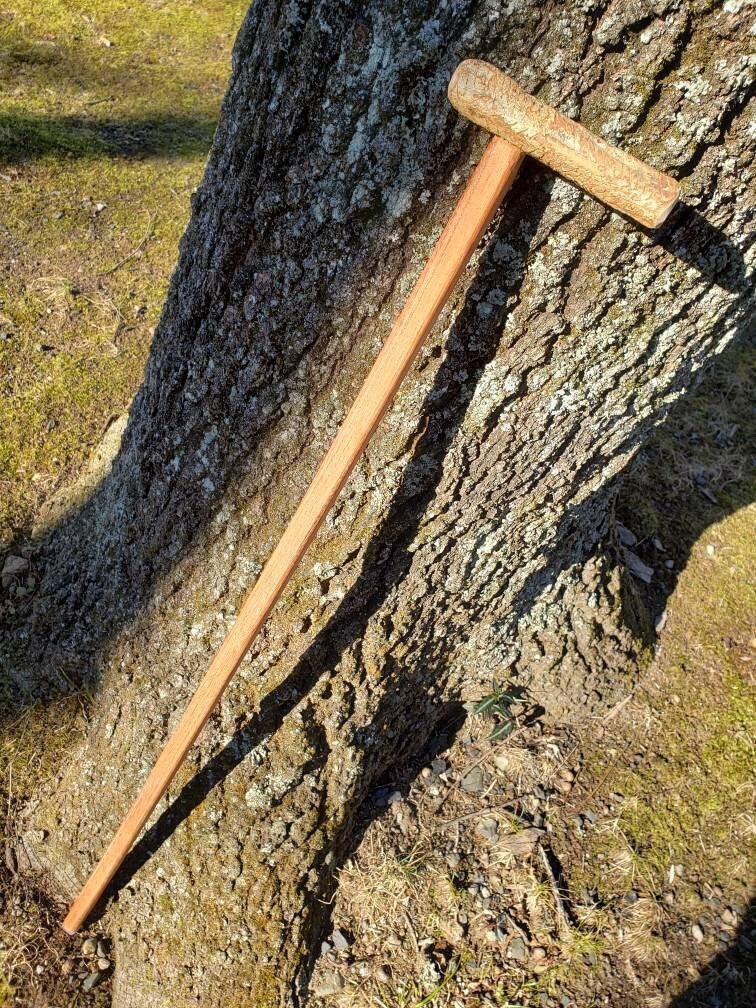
<point x="482" y="195"/>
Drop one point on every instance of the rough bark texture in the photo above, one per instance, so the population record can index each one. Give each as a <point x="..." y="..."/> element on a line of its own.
<point x="472" y="542"/>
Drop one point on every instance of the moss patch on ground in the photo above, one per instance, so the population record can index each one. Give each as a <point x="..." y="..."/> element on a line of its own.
<point x="106" y="116"/>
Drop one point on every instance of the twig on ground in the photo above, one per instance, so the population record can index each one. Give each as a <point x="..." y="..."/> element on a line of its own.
<point x="482" y="811"/>
<point x="617" y="708"/>
<point x="137" y="248"/>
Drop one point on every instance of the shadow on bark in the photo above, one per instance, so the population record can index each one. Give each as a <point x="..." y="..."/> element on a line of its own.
<point x="433" y="722"/>
<point x="424" y="713"/>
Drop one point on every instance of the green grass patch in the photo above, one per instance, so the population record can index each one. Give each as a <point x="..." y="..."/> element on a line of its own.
<point x="106" y="117"/>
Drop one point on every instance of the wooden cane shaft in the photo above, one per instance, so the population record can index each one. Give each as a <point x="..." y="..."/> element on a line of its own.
<point x="490" y="98"/>
<point x="482" y="195"/>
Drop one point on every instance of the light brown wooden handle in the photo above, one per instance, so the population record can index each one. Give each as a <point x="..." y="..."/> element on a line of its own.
<point x="490" y="98"/>
<point x="482" y="195"/>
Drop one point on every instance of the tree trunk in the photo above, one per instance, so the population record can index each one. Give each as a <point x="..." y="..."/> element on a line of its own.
<point x="474" y="539"/>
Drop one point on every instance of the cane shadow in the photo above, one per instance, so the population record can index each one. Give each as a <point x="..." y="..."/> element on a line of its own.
<point x="386" y="559"/>
<point x="729" y="979"/>
<point x="387" y="562"/>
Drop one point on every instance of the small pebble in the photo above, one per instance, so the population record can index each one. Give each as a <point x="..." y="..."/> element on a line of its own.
<point x="331" y="983"/>
<point x="669" y="898"/>
<point x="89" y="947"/>
<point x="538" y="953"/>
<point x="489" y="829"/>
<point x="103" y="963"/>
<point x="102" y="950"/>
<point x="426" y="772"/>
<point x="340" y="940"/>
<point x="473" y="781"/>
<point x="453" y="859"/>
<point x="91" y="981"/>
<point x="697" y="933"/>
<point x="729" y="918"/>
<point x="517" y="950"/>
<point x="566" y="774"/>
<point x="383" y="973"/>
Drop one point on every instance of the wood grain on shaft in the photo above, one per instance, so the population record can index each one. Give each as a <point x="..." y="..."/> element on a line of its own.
<point x="482" y="195"/>
<point x="490" y="98"/>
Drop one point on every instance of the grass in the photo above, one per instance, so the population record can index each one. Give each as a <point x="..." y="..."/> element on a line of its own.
<point x="105" y="122"/>
<point x="32" y="948"/>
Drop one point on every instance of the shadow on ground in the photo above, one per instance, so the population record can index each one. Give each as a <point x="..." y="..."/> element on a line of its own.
<point x="169" y="135"/>
<point x="729" y="980"/>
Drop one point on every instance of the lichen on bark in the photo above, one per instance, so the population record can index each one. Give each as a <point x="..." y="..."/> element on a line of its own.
<point x="474" y="539"/>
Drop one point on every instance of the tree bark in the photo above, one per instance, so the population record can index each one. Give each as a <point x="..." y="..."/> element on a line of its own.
<point x="473" y="541"/>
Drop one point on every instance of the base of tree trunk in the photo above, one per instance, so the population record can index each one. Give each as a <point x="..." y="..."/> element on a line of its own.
<point x="473" y="541"/>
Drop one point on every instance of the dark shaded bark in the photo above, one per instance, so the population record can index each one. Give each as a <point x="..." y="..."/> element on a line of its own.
<point x="474" y="539"/>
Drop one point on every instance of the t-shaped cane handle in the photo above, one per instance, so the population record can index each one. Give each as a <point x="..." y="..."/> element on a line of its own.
<point x="490" y="98"/>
